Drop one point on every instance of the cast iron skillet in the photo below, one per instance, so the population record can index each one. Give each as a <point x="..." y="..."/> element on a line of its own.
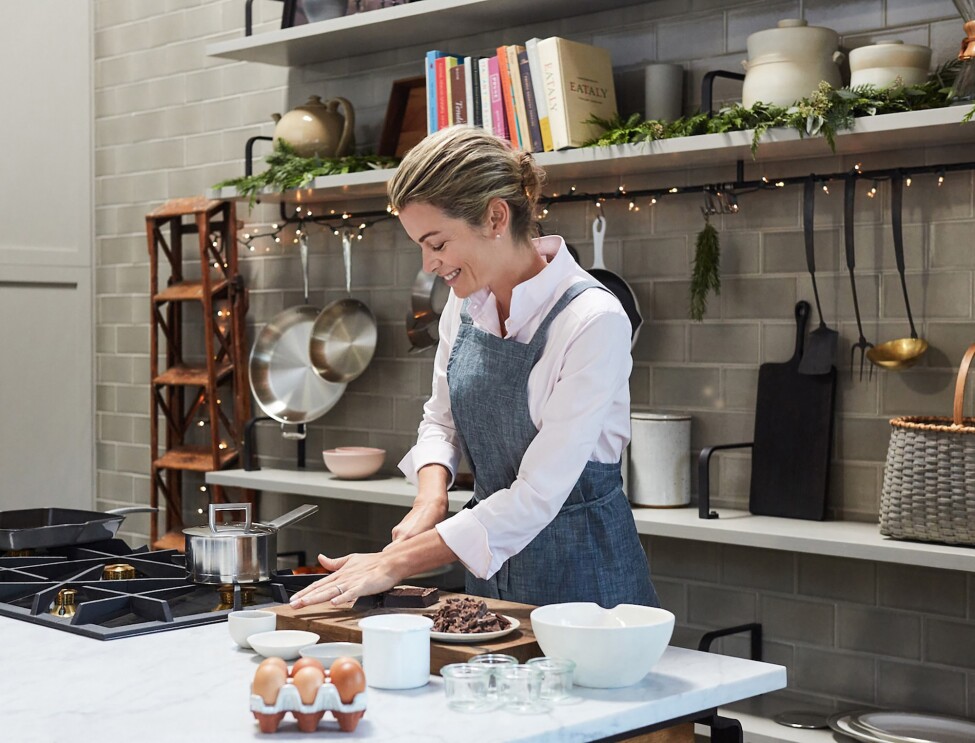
<point x="34" y="528"/>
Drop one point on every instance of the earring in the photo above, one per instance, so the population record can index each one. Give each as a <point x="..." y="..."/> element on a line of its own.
<point x="498" y="236"/>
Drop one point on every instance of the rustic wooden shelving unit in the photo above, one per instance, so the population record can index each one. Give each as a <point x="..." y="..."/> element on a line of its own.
<point x="184" y="389"/>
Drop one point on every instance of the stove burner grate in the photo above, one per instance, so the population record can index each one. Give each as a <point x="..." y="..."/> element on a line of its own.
<point x="159" y="598"/>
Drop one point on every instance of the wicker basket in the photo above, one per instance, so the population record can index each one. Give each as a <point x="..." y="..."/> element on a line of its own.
<point x="929" y="478"/>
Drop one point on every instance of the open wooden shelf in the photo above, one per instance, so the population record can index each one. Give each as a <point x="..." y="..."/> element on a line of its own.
<point x="194" y="458"/>
<point x="849" y="539"/>
<point x="416" y="24"/>
<point x="890" y="132"/>
<point x="186" y="375"/>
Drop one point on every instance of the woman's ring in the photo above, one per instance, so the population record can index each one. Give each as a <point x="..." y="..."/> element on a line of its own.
<point x="339" y="588"/>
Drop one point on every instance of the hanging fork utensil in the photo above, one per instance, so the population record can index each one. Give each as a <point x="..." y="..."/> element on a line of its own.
<point x="849" y="193"/>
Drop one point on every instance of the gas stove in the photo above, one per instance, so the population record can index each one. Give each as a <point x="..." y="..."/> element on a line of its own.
<point x="107" y="590"/>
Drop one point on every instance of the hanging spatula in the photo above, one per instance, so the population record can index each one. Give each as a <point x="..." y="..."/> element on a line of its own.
<point x="820" y="351"/>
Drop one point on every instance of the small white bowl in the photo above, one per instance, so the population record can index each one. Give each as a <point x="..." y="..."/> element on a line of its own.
<point x="243" y="624"/>
<point x="354" y="462"/>
<point x="327" y="652"/>
<point x="610" y="647"/>
<point x="282" y="643"/>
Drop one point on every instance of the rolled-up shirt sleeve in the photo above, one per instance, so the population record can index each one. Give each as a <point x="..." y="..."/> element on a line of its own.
<point x="437" y="441"/>
<point x="596" y="363"/>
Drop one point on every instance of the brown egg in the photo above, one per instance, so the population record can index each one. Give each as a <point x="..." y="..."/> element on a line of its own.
<point x="268" y="680"/>
<point x="347" y="676"/>
<point x="273" y="661"/>
<point x="308" y="681"/>
<point x="304" y="662"/>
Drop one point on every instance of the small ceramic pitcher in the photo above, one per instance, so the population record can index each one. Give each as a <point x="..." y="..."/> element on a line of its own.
<point x="317" y="129"/>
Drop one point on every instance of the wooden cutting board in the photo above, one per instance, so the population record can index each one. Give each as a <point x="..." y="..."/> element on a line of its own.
<point x="793" y="436"/>
<point x="340" y="624"/>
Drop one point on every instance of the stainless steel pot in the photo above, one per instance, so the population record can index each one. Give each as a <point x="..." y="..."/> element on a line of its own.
<point x="239" y="552"/>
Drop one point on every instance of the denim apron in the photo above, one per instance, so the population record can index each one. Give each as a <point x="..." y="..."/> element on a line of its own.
<point x="591" y="550"/>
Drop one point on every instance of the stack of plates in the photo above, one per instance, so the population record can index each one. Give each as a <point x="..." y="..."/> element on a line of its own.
<point x="903" y="727"/>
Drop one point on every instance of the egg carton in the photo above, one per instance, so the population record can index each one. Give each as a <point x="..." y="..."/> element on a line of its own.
<point x="308" y="716"/>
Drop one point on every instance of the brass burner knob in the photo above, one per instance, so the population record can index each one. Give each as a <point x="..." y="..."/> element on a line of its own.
<point x="118" y="571"/>
<point x="64" y="605"/>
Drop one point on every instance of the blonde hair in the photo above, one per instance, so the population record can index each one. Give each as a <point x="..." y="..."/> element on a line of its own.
<point x="460" y="169"/>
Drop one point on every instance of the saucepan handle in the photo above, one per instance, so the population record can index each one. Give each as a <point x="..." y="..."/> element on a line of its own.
<point x="216" y="508"/>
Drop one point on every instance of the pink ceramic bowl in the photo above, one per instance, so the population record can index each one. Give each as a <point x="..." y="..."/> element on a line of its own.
<point x="354" y="462"/>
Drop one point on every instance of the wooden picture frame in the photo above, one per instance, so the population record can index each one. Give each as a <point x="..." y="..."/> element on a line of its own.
<point x="406" y="117"/>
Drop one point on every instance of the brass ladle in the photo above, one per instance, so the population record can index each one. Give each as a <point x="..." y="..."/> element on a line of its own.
<point x="903" y="352"/>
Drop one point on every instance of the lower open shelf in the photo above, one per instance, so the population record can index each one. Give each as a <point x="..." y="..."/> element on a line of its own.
<point x="848" y="539"/>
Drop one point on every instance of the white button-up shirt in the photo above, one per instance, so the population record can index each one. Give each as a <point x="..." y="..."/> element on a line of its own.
<point x="578" y="398"/>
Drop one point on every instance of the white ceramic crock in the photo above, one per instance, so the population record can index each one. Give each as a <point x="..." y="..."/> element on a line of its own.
<point x="396" y="650"/>
<point x="882" y="63"/>
<point x="788" y="62"/>
<point x="660" y="460"/>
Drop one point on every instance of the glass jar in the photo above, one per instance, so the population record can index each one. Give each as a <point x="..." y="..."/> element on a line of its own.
<point x="466" y="687"/>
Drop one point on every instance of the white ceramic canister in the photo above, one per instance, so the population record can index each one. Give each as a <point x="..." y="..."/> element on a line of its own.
<point x="396" y="650"/>
<point x="660" y="460"/>
<point x="788" y="62"/>
<point x="882" y="63"/>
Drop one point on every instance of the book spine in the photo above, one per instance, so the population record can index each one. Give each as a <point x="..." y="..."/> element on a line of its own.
<point x="531" y="113"/>
<point x="431" y="83"/>
<point x="449" y="64"/>
<point x="518" y="100"/>
<point x="484" y="73"/>
<point x="458" y="97"/>
<point x="499" y="120"/>
<point x="548" y="57"/>
<point x="531" y="46"/>
<point x="472" y="78"/>
<point x="441" y="72"/>
<point x="506" y="96"/>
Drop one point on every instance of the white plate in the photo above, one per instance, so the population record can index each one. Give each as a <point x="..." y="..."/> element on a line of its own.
<point x="910" y="726"/>
<point x="476" y="637"/>
<point x="841" y="724"/>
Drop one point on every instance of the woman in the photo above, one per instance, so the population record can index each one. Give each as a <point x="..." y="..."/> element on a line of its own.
<point x="530" y="384"/>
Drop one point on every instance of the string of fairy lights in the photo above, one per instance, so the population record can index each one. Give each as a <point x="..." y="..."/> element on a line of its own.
<point x="721" y="197"/>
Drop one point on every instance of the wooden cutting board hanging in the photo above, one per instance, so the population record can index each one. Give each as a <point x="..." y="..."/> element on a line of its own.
<point x="793" y="436"/>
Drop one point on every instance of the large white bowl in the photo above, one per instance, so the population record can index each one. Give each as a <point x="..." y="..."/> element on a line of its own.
<point x="610" y="647"/>
<point x="282" y="643"/>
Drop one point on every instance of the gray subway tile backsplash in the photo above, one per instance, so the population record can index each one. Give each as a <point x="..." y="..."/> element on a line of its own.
<point x="849" y="631"/>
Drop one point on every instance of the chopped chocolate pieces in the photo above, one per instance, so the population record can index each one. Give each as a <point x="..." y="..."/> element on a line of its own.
<point x="399" y="597"/>
<point x="468" y="616"/>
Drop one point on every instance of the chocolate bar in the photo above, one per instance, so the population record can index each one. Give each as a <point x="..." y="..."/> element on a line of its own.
<point x="399" y="597"/>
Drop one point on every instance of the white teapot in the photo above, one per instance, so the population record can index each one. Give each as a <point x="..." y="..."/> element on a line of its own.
<point x="317" y="128"/>
<point x="788" y="62"/>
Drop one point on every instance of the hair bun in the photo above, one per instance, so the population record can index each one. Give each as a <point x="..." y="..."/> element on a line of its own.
<point x="532" y="176"/>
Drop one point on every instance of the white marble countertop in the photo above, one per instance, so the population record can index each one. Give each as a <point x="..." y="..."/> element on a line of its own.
<point x="194" y="684"/>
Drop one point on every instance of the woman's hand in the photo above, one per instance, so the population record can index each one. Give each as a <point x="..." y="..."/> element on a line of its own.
<point x="351" y="576"/>
<point x="422" y="517"/>
<point x="430" y="505"/>
<point x="370" y="573"/>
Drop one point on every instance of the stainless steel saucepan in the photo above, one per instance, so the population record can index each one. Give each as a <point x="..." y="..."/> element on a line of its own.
<point x="238" y="552"/>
